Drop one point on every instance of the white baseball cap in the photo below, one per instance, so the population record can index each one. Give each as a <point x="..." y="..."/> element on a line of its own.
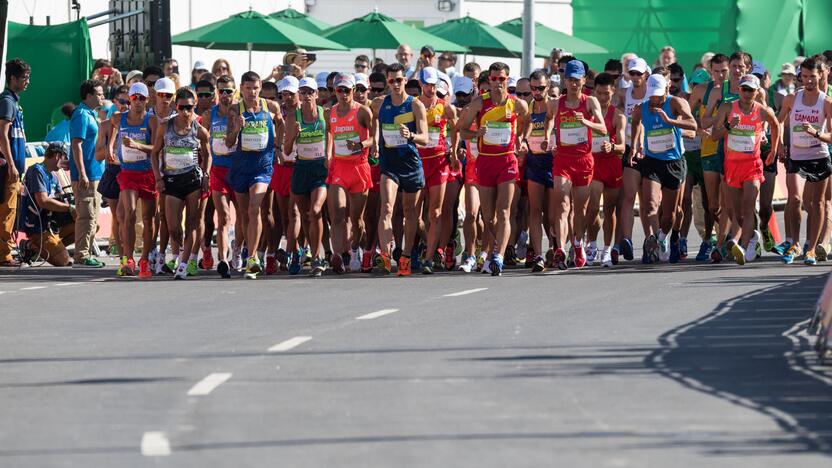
<point x="637" y="64"/>
<point x="165" y="85"/>
<point x="344" y="80"/>
<point x="200" y="65"/>
<point x="442" y="87"/>
<point x="138" y="88"/>
<point x="463" y="84"/>
<point x="308" y="82"/>
<point x="361" y="79"/>
<point x="656" y="86"/>
<point x="320" y="79"/>
<point x="429" y="75"/>
<point x="449" y="85"/>
<point x="288" y="83"/>
<point x="750" y="81"/>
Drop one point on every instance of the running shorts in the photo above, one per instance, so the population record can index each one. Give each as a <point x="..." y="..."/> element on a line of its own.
<point x="182" y="185"/>
<point x="141" y="182"/>
<point x="577" y="170"/>
<point x="714" y="163"/>
<point x="539" y="169"/>
<point x="375" y="175"/>
<point x="670" y="174"/>
<point x="740" y="170"/>
<point x="308" y="176"/>
<point x="469" y="171"/>
<point x="694" y="162"/>
<point x="495" y="170"/>
<point x="626" y="156"/>
<point x="609" y="171"/>
<point x="354" y="176"/>
<point x="813" y="170"/>
<point x="108" y="185"/>
<point x="241" y="179"/>
<point x="281" y="182"/>
<point x="218" y="182"/>
<point x="437" y="170"/>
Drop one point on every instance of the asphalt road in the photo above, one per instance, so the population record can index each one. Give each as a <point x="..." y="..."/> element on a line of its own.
<point x="644" y="366"/>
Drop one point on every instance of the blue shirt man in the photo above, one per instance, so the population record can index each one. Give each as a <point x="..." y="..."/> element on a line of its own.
<point x="84" y="126"/>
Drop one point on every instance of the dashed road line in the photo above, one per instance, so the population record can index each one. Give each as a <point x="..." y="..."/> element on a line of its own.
<point x="209" y="383"/>
<point x="380" y="313"/>
<point x="32" y="288"/>
<point x="66" y="284"/>
<point x="289" y="344"/>
<point x="463" y="293"/>
<point x="155" y="444"/>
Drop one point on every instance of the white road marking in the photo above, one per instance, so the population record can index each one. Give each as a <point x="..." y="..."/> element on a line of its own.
<point x="208" y="384"/>
<point x="32" y="288"/>
<point x="66" y="284"/>
<point x="463" y="293"/>
<point x="155" y="444"/>
<point x="378" y="314"/>
<point x="289" y="344"/>
<point x="99" y="280"/>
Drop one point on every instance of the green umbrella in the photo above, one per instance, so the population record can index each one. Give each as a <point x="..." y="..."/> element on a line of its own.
<point x="376" y="31"/>
<point x="550" y="38"/>
<point x="481" y="38"/>
<point x="251" y="30"/>
<point x="300" y="20"/>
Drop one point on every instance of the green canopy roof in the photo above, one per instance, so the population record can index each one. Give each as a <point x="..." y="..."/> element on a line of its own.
<point x="481" y="38"/>
<point x="548" y="38"/>
<point x="377" y="31"/>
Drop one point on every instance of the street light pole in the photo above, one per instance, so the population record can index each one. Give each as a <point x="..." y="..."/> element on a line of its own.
<point x="528" y="37"/>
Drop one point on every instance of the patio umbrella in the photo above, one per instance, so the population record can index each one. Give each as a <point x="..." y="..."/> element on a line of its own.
<point x="549" y="38"/>
<point x="481" y="38"/>
<point x="300" y="20"/>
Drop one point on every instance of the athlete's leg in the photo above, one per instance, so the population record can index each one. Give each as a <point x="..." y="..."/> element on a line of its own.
<point x="559" y="208"/>
<point x="371" y="221"/>
<point x="794" y="205"/>
<point x="356" y="204"/>
<point x="411" y="222"/>
<point x="610" y="218"/>
<point x="814" y="195"/>
<point x="223" y="219"/>
<point x="631" y="182"/>
<point x="748" y="207"/>
<point x="193" y="215"/>
<point x="127" y="200"/>
<point x="537" y="196"/>
<point x="173" y="216"/>
<point x="593" y="209"/>
<point x="469" y="224"/>
<point x="337" y="203"/>
<point x="650" y="199"/>
<point x="388" y="195"/>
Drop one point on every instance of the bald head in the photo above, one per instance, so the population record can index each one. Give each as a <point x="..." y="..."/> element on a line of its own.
<point x="403" y="55"/>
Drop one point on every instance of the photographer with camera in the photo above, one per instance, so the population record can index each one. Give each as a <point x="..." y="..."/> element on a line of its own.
<point x="46" y="213"/>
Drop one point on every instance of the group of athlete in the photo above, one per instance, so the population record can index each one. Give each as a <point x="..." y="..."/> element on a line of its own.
<point x="357" y="175"/>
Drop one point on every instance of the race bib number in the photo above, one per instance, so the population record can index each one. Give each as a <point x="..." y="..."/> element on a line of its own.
<point x="392" y="137"/>
<point x="218" y="146"/>
<point x="801" y="139"/>
<point x="534" y="143"/>
<point x="573" y="133"/>
<point x="291" y="157"/>
<point x="741" y="141"/>
<point x="473" y="150"/>
<point x="341" y="140"/>
<point x="598" y="141"/>
<point x="255" y="136"/>
<point x="178" y="158"/>
<point x="497" y="133"/>
<point x="693" y="144"/>
<point x="132" y="155"/>
<point x="433" y="137"/>
<point x="312" y="150"/>
<point x="660" y="140"/>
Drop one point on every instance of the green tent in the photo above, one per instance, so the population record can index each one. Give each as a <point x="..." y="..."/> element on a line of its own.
<point x="772" y="31"/>
<point x="61" y="58"/>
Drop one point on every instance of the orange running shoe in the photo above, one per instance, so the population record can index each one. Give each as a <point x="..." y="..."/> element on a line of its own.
<point x="144" y="269"/>
<point x="404" y="266"/>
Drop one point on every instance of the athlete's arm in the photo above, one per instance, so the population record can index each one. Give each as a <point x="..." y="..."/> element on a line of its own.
<point x="206" y="120"/>
<point x="365" y="119"/>
<point x="420" y="116"/>
<point x="279" y="125"/>
<point x="158" y="144"/>
<point x="636" y="132"/>
<point x="827" y="109"/>
<point x="597" y="123"/>
<point x="376" y="108"/>
<point x="202" y="135"/>
<point x="620" y="121"/>
<point x="684" y="119"/>
<point x="290" y="135"/>
<point x="468" y="115"/>
<point x="102" y="145"/>
<point x="235" y="123"/>
<point x="708" y="117"/>
<point x="330" y="144"/>
<point x="524" y="119"/>
<point x="720" y="131"/>
<point x="774" y="125"/>
<point x="549" y="123"/>
<point x="451" y="118"/>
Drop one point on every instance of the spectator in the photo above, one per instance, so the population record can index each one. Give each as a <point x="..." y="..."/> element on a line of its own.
<point x="222" y="68"/>
<point x="60" y="132"/>
<point x="13" y="149"/>
<point x="554" y="57"/>
<point x="378" y="85"/>
<point x="85" y="171"/>
<point x="447" y="63"/>
<point x="380" y="67"/>
<point x="41" y="208"/>
<point x="784" y="86"/>
<point x="197" y="71"/>
<point x="427" y="58"/>
<point x="175" y="78"/>
<point x="135" y="76"/>
<point x="362" y="64"/>
<point x="170" y="66"/>
<point x="103" y="71"/>
<point x="624" y="82"/>
<point x="151" y="75"/>
<point x="404" y="55"/>
<point x="666" y="56"/>
<point x="299" y="57"/>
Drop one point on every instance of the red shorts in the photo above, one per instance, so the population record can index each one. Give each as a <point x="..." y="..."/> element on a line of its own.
<point x="470" y="171"/>
<point x="578" y="170"/>
<point x="281" y="182"/>
<point x="742" y="170"/>
<point x="375" y="175"/>
<point x="142" y="182"/>
<point x="609" y="171"/>
<point x="354" y="176"/>
<point x="495" y="170"/>
<point x="217" y="182"/>
<point x="437" y="171"/>
<point x="456" y="175"/>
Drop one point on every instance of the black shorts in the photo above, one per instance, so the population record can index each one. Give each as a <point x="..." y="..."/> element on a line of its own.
<point x="764" y="149"/>
<point x="182" y="185"/>
<point x="670" y="174"/>
<point x="813" y="170"/>
<point x="626" y="156"/>
<point x="108" y="185"/>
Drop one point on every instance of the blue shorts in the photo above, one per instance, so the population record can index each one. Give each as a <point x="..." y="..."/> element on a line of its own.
<point x="241" y="179"/>
<point x="406" y="172"/>
<point x="539" y="169"/>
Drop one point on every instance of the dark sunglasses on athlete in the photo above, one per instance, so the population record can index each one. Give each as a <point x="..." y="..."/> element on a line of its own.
<point x="501" y="79"/>
<point x="138" y="97"/>
<point x="165" y="95"/>
<point x="342" y="90"/>
<point x="226" y="90"/>
<point x="395" y="80"/>
<point x="361" y="89"/>
<point x="205" y="95"/>
<point x="747" y="90"/>
<point x="306" y="92"/>
<point x="539" y="88"/>
<point x="360" y="65"/>
<point x="675" y="80"/>
<point x="185" y="107"/>
<point x="124" y="101"/>
<point x="634" y="73"/>
<point x="523" y="94"/>
<point x="377" y="90"/>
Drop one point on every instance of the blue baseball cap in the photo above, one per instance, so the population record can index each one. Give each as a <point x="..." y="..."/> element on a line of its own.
<point x="429" y="75"/>
<point x="575" y="69"/>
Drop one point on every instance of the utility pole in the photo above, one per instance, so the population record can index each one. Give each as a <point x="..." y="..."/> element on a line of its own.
<point x="528" y="37"/>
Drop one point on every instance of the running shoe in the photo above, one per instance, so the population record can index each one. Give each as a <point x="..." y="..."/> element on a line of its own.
<point x="559" y="259"/>
<point x="129" y="268"/>
<point x="550" y="258"/>
<point x="253" y="267"/>
<point x="236" y="257"/>
<point x="486" y="267"/>
<point x="782" y="248"/>
<point x="307" y="256"/>
<point x="606" y="258"/>
<point x="112" y="250"/>
<point x="144" y="269"/>
<point x="170" y="267"/>
<point x="511" y="257"/>
<point x="295" y="266"/>
<point x="450" y="256"/>
<point x="683" y="248"/>
<point x="159" y="265"/>
<point x="758" y="251"/>
<point x="753" y="244"/>
<point x="244" y="253"/>
<point x="282" y="259"/>
<point x="427" y="267"/>
<point x="271" y="265"/>
<point x="439" y="260"/>
<point x="664" y="249"/>
<point x="151" y="257"/>
<point x="522" y="244"/>
<point x="531" y="258"/>
<point x="768" y="241"/>
<point x="366" y="263"/>
<point x="627" y="249"/>
<point x="497" y="265"/>
<point x="481" y="258"/>
<point x="192" y="269"/>
<point x="675" y="252"/>
<point x="570" y="257"/>
<point x="316" y="267"/>
<point x="337" y="264"/>
<point x="404" y="266"/>
<point x="614" y="255"/>
<point x="468" y="264"/>
<point x="738" y="252"/>
<point x="121" y="263"/>
<point x="704" y="251"/>
<point x="207" y="261"/>
<point x="810" y="258"/>
<point x="538" y="265"/>
<point x="181" y="272"/>
<point x="355" y="260"/>
<point x="89" y="262"/>
<point x="716" y="255"/>
<point x="793" y="252"/>
<point x="416" y="256"/>
<point x="223" y="269"/>
<point x="648" y="250"/>
<point x="821" y="253"/>
<point x="397" y="254"/>
<point x="580" y="255"/>
<point x="591" y="252"/>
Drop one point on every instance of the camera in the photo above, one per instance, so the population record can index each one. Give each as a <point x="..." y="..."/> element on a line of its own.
<point x="58" y="219"/>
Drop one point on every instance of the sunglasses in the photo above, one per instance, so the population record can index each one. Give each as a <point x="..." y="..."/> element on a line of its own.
<point x="634" y="73"/>
<point x="306" y="92"/>
<point x="361" y="89"/>
<point x="539" y="88"/>
<point x="377" y="90"/>
<point x="226" y="90"/>
<point x="138" y="97"/>
<point x="360" y="65"/>
<point x="185" y="107"/>
<point x="561" y="70"/>
<point x="205" y="95"/>
<point x="395" y="80"/>
<point x="747" y="90"/>
<point x="124" y="101"/>
<point x="523" y="94"/>
<point x="342" y="90"/>
<point x="165" y="95"/>
<point x="675" y="80"/>
<point x="501" y="79"/>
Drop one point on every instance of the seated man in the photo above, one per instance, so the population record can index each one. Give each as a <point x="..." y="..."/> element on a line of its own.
<point x="47" y="220"/>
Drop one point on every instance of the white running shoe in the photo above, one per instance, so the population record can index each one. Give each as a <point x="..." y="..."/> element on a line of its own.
<point x="468" y="264"/>
<point x="159" y="266"/>
<point x="486" y="267"/>
<point x="751" y="251"/>
<point x="236" y="258"/>
<point x="591" y="254"/>
<point x="355" y="260"/>
<point x="606" y="258"/>
<point x="181" y="271"/>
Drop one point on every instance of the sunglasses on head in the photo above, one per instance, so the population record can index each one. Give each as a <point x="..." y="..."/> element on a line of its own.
<point x="226" y="90"/>
<point x="398" y="79"/>
<point x="138" y="97"/>
<point x="377" y="90"/>
<point x="342" y="90"/>
<point x="165" y="95"/>
<point x="523" y="94"/>
<point x="185" y="107"/>
<point x="538" y="88"/>
<point x="501" y="79"/>
<point x="205" y="94"/>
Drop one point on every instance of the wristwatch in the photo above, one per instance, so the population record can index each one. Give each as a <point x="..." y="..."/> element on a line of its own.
<point x="410" y="139"/>
<point x="727" y="125"/>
